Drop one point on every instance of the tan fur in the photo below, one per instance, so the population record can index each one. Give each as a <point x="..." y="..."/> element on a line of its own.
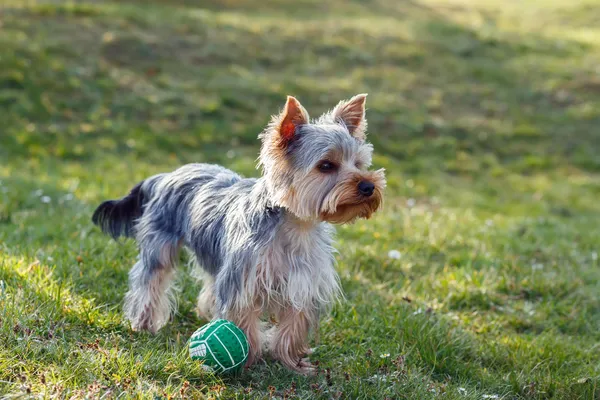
<point x="345" y="204"/>
<point x="293" y="114"/>
<point x="352" y="112"/>
<point x="248" y="319"/>
<point x="275" y="139"/>
<point x="289" y="343"/>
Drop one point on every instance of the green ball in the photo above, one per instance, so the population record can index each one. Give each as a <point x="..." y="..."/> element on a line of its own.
<point x="220" y="345"/>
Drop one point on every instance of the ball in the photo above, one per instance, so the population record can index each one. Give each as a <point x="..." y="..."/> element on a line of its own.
<point x="220" y="345"/>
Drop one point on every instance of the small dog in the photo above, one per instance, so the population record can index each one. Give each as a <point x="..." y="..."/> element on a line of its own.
<point x="265" y="244"/>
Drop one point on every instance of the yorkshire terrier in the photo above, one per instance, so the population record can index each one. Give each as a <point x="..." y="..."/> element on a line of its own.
<point x="264" y="244"/>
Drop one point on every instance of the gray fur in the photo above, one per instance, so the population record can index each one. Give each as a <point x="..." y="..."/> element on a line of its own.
<point x="314" y="142"/>
<point x="207" y="208"/>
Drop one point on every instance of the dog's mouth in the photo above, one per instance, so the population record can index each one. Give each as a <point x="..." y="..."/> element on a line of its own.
<point x="349" y="212"/>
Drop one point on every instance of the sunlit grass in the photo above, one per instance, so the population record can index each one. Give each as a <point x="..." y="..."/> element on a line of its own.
<point x="480" y="276"/>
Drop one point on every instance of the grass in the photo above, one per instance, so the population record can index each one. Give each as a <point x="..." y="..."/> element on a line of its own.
<point x="485" y="114"/>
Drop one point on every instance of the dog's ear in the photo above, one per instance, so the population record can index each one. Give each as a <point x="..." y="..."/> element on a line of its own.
<point x="292" y="116"/>
<point x="352" y="114"/>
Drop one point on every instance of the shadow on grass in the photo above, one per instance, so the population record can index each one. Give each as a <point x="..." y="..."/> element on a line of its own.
<point x="137" y="82"/>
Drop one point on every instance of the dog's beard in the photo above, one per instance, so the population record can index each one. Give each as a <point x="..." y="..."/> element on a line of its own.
<point x="348" y="213"/>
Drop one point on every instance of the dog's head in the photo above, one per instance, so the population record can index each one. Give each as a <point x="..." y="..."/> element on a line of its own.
<point x="318" y="169"/>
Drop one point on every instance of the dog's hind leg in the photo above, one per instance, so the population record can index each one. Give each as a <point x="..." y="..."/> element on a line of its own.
<point x="205" y="307"/>
<point x="150" y="300"/>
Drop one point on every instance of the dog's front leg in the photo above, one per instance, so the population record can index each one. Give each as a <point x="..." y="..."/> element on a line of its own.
<point x="289" y="343"/>
<point x="248" y="319"/>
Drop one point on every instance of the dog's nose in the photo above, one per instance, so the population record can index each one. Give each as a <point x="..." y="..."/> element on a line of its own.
<point x="366" y="188"/>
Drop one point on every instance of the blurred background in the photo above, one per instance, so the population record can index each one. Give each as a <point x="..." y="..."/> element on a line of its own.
<point x="485" y="114"/>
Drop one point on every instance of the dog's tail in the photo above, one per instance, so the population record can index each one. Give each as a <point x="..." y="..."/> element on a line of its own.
<point x="117" y="217"/>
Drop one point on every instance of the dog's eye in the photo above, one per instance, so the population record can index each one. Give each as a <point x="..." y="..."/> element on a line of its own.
<point x="327" y="166"/>
<point x="358" y="165"/>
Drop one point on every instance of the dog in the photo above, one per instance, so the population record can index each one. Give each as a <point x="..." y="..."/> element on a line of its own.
<point x="265" y="245"/>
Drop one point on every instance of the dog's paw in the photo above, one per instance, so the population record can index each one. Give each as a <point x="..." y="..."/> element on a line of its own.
<point x="296" y="363"/>
<point x="145" y="321"/>
<point x="305" y="367"/>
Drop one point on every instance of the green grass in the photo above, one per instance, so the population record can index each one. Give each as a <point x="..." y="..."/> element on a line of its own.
<point x="485" y="114"/>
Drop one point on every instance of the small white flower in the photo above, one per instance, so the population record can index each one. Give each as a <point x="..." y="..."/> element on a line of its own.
<point x="419" y="311"/>
<point x="38" y="192"/>
<point x="489" y="222"/>
<point x="384" y="355"/>
<point x="376" y="378"/>
<point x="46" y="199"/>
<point x="537" y="266"/>
<point x="68" y="196"/>
<point x="50" y="259"/>
<point x="594" y="256"/>
<point x="230" y="154"/>
<point x="490" y="396"/>
<point x="394" y="254"/>
<point x="462" y="391"/>
<point x="411" y="203"/>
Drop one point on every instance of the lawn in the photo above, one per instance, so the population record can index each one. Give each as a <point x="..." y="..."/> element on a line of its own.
<point x="478" y="280"/>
